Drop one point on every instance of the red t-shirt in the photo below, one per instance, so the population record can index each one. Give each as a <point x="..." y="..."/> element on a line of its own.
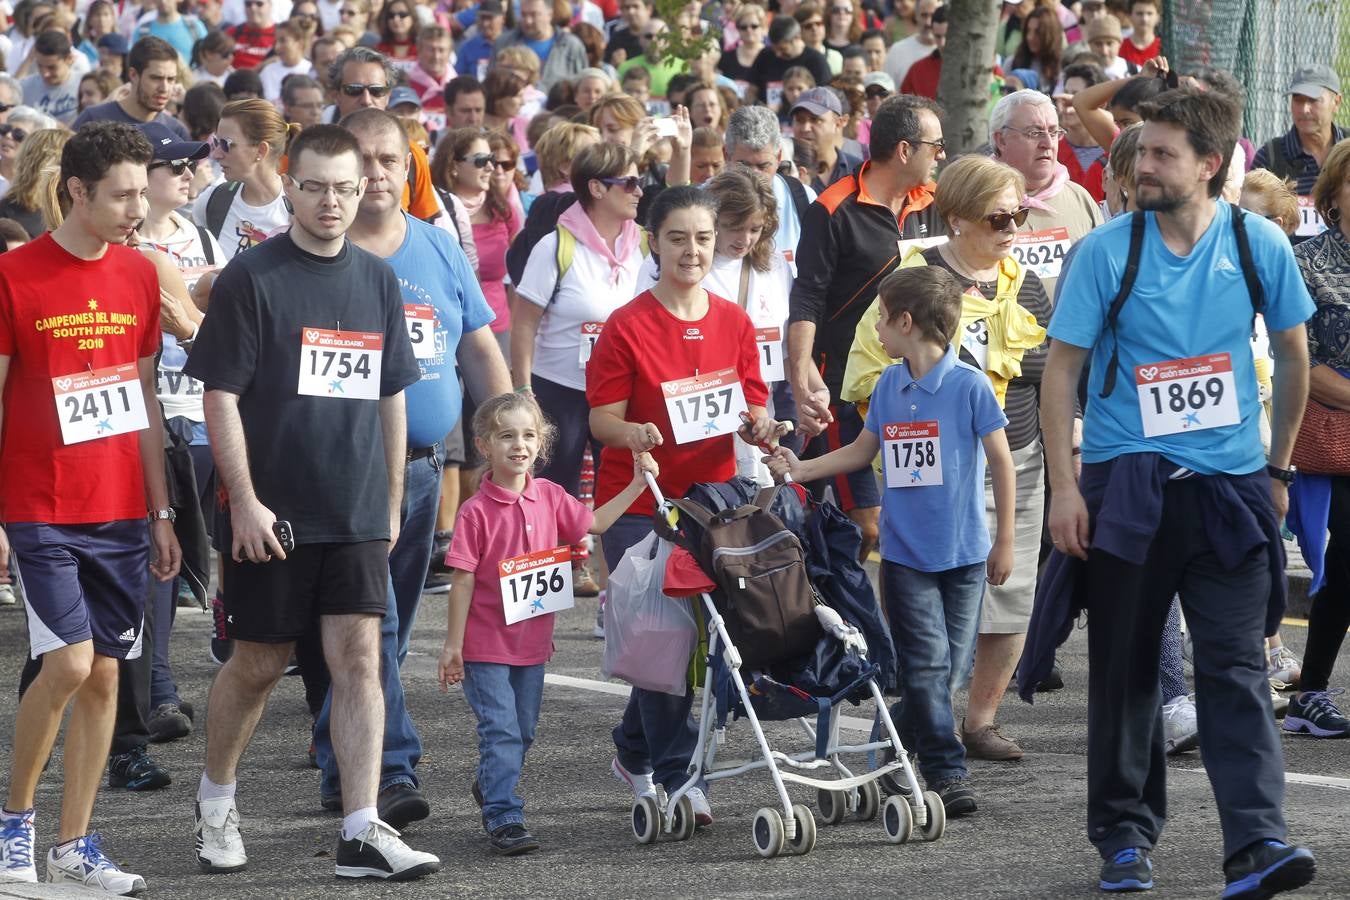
<point x="61" y="315"/>
<point x="922" y="78"/>
<point x="641" y="347"/>
<point x="251" y="44"/>
<point x="1132" y="54"/>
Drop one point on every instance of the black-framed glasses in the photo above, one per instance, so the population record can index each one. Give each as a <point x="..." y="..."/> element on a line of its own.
<point x="224" y="145"/>
<point x="629" y="183"/>
<point x="503" y="165"/>
<point x="940" y="145"/>
<point x="398" y="14"/>
<point x="177" y="166"/>
<point x="1001" y="221"/>
<point x="479" y="160"/>
<point x="14" y="132"/>
<point x="356" y="89"/>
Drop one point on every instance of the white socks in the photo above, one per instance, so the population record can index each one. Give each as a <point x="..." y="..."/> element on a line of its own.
<point x="357" y="822"/>
<point x="209" y="790"/>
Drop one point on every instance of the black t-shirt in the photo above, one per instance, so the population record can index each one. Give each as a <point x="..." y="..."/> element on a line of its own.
<point x="316" y="461"/>
<point x="769" y="68"/>
<point x="625" y="39"/>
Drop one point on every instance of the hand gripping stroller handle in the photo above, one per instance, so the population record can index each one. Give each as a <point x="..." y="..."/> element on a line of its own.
<point x="772" y="444"/>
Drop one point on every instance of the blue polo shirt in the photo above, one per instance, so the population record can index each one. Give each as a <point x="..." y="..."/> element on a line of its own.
<point x="938" y="527"/>
<point x="433" y="271"/>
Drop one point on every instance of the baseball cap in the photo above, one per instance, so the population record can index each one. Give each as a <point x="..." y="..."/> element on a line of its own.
<point x="880" y="79"/>
<point x="818" y="101"/>
<point x="169" y="146"/>
<point x="491" y="7"/>
<point x="404" y="94"/>
<point x="114" y="43"/>
<point x="1310" y="81"/>
<point x="1105" y="27"/>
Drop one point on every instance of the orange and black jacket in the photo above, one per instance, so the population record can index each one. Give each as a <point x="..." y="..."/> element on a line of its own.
<point x="849" y="243"/>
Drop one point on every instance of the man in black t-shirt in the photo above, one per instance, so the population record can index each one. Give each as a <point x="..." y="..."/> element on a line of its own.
<point x="305" y="357"/>
<point x="786" y="49"/>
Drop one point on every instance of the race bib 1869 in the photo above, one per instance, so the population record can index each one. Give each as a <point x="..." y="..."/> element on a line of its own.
<point x="911" y="454"/>
<point x="1042" y="251"/>
<point x="1187" y="394"/>
<point x="342" y="364"/>
<point x="421" y="321"/>
<point x="536" y="584"/>
<point x="100" y="403"/>
<point x="769" y="343"/>
<point x="704" y="406"/>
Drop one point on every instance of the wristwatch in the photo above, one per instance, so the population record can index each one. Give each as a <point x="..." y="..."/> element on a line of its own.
<point x="159" y="515"/>
<point x="1285" y="475"/>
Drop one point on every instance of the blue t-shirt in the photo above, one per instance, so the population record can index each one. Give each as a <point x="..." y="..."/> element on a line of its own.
<point x="934" y="528"/>
<point x="181" y="34"/>
<point x="541" y="48"/>
<point x="470" y="54"/>
<point x="1182" y="307"/>
<point x="433" y="271"/>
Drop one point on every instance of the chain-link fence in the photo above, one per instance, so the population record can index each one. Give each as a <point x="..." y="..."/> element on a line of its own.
<point x="1262" y="42"/>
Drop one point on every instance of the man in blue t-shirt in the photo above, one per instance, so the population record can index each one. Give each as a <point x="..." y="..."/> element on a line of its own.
<point x="447" y="319"/>
<point x="1176" y="495"/>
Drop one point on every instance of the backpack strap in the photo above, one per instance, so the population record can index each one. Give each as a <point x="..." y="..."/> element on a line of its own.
<point x="218" y="206"/>
<point x="1137" y="223"/>
<point x="567" y="250"/>
<point x="1254" y="286"/>
<point x="764" y="499"/>
<point x="798" y="193"/>
<point x="696" y="511"/>
<point x="1276" y="160"/>
<point x="205" y="237"/>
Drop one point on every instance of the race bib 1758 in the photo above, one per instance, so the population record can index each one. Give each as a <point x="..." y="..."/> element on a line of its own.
<point x="911" y="454"/>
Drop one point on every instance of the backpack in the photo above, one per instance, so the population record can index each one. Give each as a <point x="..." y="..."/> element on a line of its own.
<point x="759" y="567"/>
<point x="1276" y="160"/>
<point x="1137" y="222"/>
<point x="218" y="206"/>
<point x="542" y="219"/>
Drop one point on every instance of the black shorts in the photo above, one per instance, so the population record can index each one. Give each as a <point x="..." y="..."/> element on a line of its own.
<point x="277" y="602"/>
<point x="852" y="490"/>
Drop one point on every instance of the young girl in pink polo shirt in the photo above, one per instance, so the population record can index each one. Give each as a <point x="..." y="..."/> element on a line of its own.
<point x="513" y="569"/>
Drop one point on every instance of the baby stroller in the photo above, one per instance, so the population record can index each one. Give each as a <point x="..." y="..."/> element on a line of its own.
<point x="765" y="695"/>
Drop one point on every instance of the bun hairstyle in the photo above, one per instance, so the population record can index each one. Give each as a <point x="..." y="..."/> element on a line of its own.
<point x="260" y="122"/>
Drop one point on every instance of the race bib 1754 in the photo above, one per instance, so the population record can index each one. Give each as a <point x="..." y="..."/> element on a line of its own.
<point x="341" y="364"/>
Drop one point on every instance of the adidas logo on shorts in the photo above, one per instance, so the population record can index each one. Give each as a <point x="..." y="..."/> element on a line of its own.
<point x="127" y="636"/>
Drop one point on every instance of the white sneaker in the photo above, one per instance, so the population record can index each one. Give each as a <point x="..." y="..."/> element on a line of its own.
<point x="702" y="811"/>
<point x="7" y="595"/>
<point x="599" y="629"/>
<point x="1279" y="702"/>
<point x="378" y="852"/>
<point x="1282" y="665"/>
<point x="84" y="863"/>
<point x="1179" y="728"/>
<point x="220" y="847"/>
<point x="640" y="782"/>
<point x="16" y="848"/>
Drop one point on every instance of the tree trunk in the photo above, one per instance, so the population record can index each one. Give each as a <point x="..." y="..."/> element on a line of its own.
<point x="967" y="71"/>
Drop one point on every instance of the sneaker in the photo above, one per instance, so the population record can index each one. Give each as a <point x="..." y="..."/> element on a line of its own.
<point x="1265" y="869"/>
<point x="220" y="846"/>
<point x="584" y="583"/>
<point x="640" y="782"/>
<point x="168" y="723"/>
<point x="378" y="852"/>
<point x="702" y="810"/>
<point x="476" y="792"/>
<point x="136" y="771"/>
<point x="599" y="629"/>
<point x="16" y="847"/>
<point x="401" y="804"/>
<point x="83" y="862"/>
<point x="187" y="599"/>
<point x="1283" y="665"/>
<point x="1128" y="870"/>
<point x="7" y="595"/>
<point x="1052" y="682"/>
<point x="436" y="583"/>
<point x="1180" y="732"/>
<point x="1278" y="701"/>
<point x="957" y="797"/>
<point x="1315" y="713"/>
<point x="438" y="573"/>
<point x="988" y="743"/>
<point x="185" y="707"/>
<point x="513" y="840"/>
<point x="331" y="802"/>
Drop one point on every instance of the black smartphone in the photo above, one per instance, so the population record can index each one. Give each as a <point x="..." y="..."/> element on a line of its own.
<point x="285" y="536"/>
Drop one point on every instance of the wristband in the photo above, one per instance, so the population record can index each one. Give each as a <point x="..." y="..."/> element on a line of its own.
<point x="525" y="389"/>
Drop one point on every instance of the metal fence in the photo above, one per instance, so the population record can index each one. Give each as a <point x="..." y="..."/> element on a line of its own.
<point x="1262" y="42"/>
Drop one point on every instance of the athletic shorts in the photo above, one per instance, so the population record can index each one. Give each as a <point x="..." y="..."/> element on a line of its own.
<point x="277" y="602"/>
<point x="855" y="490"/>
<point x="82" y="583"/>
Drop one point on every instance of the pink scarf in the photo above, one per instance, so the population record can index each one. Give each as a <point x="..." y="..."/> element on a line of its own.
<point x="1039" y="199"/>
<point x="575" y="220"/>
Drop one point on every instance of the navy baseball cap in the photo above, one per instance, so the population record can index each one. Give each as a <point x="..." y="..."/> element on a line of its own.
<point x="169" y="146"/>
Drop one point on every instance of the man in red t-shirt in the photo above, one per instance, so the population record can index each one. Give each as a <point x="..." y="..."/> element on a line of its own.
<point x="255" y="37"/>
<point x="1143" y="43"/>
<point x="82" y="449"/>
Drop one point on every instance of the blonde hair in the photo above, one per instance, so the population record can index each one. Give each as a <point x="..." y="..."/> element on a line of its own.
<point x="260" y="122"/>
<point x="37" y="164"/>
<point x="489" y="416"/>
<point x="1335" y="172"/>
<point x="1122" y="155"/>
<point x="557" y="147"/>
<point x="1277" y="192"/>
<point x="625" y="110"/>
<point x="519" y="57"/>
<point x="968" y="187"/>
<point x="740" y="196"/>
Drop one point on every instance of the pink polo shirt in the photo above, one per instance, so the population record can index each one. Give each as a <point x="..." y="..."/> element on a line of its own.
<point x="496" y="524"/>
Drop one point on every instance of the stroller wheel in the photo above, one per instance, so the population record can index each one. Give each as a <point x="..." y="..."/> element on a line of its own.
<point x="646" y="819"/>
<point x="682" y="819"/>
<point x="833" y="806"/>
<point x="937" y="817"/>
<point x="768" y="832"/>
<point x="805" y="840"/>
<point x="898" y="819"/>
<point x="869" y="801"/>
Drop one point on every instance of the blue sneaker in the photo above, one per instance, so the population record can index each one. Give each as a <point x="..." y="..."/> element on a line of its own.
<point x="1266" y="868"/>
<point x="16" y="846"/>
<point x="1128" y="870"/>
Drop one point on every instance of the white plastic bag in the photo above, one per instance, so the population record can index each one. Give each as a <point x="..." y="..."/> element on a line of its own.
<point x="649" y="637"/>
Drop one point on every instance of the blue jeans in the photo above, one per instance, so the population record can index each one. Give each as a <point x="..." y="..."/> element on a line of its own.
<point x="505" y="700"/>
<point x="657" y="733"/>
<point x="164" y="597"/>
<point x="934" y="618"/>
<point x="402" y="745"/>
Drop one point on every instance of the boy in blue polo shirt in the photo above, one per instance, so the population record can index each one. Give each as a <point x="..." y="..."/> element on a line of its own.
<point x="934" y="419"/>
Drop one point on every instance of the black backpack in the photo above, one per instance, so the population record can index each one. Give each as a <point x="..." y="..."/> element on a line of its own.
<point x="541" y="220"/>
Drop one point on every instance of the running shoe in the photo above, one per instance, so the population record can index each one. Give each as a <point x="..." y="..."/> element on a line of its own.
<point x="7" y="595"/>
<point x="599" y="629"/>
<point x="639" y="782"/>
<point x="957" y="797"/>
<point x="1126" y="871"/>
<point x="583" y="582"/>
<point x="16" y="846"/>
<point x="1267" y="868"/>
<point x="378" y="852"/>
<point x="1278" y="701"/>
<point x="136" y="771"/>
<point x="82" y="862"/>
<point x="702" y="809"/>
<point x="513" y="840"/>
<point x="220" y="846"/>
<point x="1283" y="665"/>
<point x="168" y="723"/>
<point x="1314" y="712"/>
<point x="1180" y="732"/>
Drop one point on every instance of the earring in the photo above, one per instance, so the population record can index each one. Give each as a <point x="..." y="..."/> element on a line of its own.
<point x="956" y="231"/>
<point x="290" y="207"/>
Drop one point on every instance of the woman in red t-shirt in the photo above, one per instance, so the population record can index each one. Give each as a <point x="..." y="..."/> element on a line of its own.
<point x="398" y="33"/>
<point x="670" y="374"/>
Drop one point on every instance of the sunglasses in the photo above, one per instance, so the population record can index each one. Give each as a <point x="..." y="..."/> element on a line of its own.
<point x="503" y="165"/>
<point x="479" y="160"/>
<point x="1001" y="221"/>
<point x="749" y="26"/>
<point x="224" y="145"/>
<point x="398" y="14"/>
<point x="13" y="132"/>
<point x="177" y="166"/>
<point x="356" y="90"/>
<point x="814" y="23"/>
<point x="6" y="107"/>
<point x="255" y="3"/>
<point x="629" y="183"/>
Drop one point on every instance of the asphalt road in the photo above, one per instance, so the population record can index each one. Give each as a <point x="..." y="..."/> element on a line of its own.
<point x="1026" y="841"/>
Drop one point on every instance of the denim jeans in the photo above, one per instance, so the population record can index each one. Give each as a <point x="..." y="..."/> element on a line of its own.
<point x="657" y="733"/>
<point x="164" y="607"/>
<point x="934" y="617"/>
<point x="402" y="745"/>
<point x="505" y="700"/>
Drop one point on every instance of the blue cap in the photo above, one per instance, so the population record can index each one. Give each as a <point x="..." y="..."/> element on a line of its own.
<point x="404" y="94"/>
<point x="1030" y="78"/>
<point x="114" y="43"/>
<point x="169" y="146"/>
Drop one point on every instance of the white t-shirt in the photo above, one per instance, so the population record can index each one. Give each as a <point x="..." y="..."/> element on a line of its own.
<point x="904" y="54"/>
<point x="245" y="226"/>
<point x="273" y="74"/>
<point x="61" y="102"/>
<point x="587" y="293"/>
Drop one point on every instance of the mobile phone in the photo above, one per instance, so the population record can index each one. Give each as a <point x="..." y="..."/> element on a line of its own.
<point x="285" y="535"/>
<point x="665" y="127"/>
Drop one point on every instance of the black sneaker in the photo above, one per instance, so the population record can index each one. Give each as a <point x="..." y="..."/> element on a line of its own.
<point x="136" y="771"/>
<point x="402" y="804"/>
<point x="476" y="792"/>
<point x="957" y="797"/>
<point x="378" y="852"/>
<point x="331" y="802"/>
<point x="513" y="840"/>
<point x="1128" y="870"/>
<point x="1315" y="713"/>
<point x="168" y="723"/>
<point x="1266" y="868"/>
<point x="1052" y="682"/>
<point x="438" y="573"/>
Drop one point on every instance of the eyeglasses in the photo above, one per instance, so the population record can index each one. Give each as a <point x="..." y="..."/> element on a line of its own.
<point x="177" y="166"/>
<point x="6" y="107"/>
<point x="343" y="190"/>
<point x="348" y="13"/>
<point x="1001" y="221"/>
<point x="304" y="17"/>
<point x="356" y="90"/>
<point x="814" y="23"/>
<point x="842" y="10"/>
<point x="224" y="145"/>
<point x="940" y="145"/>
<point x="255" y="3"/>
<point x="13" y="132"/>
<point x="629" y="183"/>
<point x="398" y="14"/>
<point x="504" y="165"/>
<point x="479" y="160"/>
<point x="1038" y="134"/>
<point x="749" y="26"/>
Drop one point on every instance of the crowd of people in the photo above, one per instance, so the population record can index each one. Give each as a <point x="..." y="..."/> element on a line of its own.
<point x="359" y="301"/>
